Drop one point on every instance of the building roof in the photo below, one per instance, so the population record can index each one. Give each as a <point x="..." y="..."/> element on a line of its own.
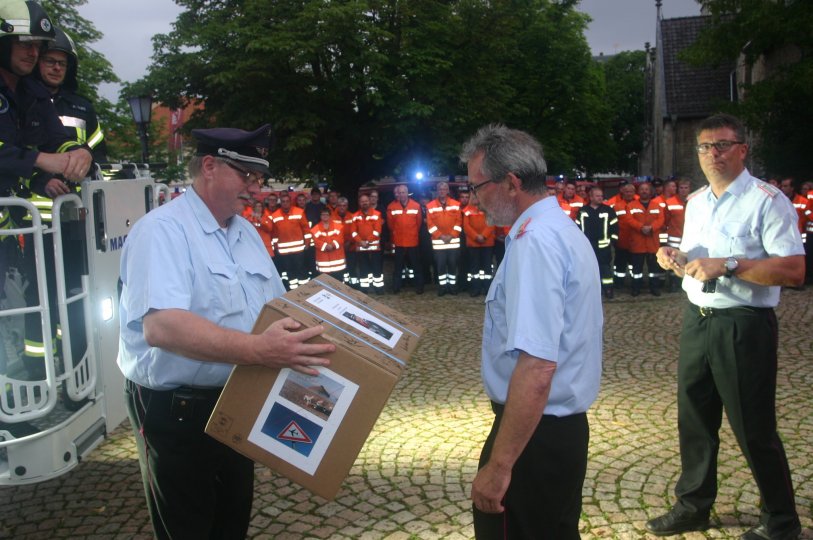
<point x="690" y="91"/>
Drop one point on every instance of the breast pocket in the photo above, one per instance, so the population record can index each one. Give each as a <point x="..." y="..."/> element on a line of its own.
<point x="227" y="292"/>
<point x="736" y="238"/>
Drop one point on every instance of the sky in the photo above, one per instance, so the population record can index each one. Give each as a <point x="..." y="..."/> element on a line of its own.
<point x="128" y="27"/>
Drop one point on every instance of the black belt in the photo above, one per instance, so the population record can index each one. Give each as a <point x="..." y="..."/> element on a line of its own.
<point x="739" y="310"/>
<point x="181" y="402"/>
<point x="498" y="409"/>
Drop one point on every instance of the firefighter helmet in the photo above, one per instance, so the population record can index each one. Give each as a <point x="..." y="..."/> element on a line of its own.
<point x="63" y="42"/>
<point x="25" y="19"/>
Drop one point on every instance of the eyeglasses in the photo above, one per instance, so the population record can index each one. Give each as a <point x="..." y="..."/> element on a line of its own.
<point x="51" y="62"/>
<point x="249" y="177"/>
<point x="721" y="146"/>
<point x="474" y="187"/>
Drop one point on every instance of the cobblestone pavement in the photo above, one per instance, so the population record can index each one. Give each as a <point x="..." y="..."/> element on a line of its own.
<point x="412" y="478"/>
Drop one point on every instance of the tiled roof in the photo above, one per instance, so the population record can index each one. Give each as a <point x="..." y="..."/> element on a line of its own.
<point x="690" y="91"/>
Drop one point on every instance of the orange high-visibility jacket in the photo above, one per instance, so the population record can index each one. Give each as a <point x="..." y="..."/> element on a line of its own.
<point x="566" y="208"/>
<point x="367" y="228"/>
<point x="676" y="211"/>
<point x="444" y="219"/>
<point x="637" y="217"/>
<point x="662" y="234"/>
<point x="572" y="206"/>
<point x="291" y="232"/>
<point x="800" y="204"/>
<point x="329" y="261"/>
<point x="404" y="223"/>
<point x="624" y="234"/>
<point x="346" y="224"/>
<point x="265" y="227"/>
<point x="474" y="223"/>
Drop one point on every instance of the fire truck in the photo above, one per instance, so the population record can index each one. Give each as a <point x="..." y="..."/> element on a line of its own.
<point x="50" y="420"/>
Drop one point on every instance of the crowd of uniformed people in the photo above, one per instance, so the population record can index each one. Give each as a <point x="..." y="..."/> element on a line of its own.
<point x="447" y="240"/>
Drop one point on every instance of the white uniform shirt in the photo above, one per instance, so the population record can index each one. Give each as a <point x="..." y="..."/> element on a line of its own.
<point x="751" y="220"/>
<point x="545" y="300"/>
<point x="178" y="257"/>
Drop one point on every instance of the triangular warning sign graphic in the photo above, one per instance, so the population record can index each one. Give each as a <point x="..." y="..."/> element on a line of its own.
<point x="294" y="433"/>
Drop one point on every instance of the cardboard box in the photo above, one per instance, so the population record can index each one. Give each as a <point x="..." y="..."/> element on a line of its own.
<point x="311" y="429"/>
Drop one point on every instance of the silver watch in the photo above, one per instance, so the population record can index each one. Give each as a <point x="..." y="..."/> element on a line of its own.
<point x="731" y="265"/>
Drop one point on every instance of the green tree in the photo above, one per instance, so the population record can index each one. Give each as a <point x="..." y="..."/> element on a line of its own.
<point x="778" y="106"/>
<point x="359" y="89"/>
<point x="624" y="76"/>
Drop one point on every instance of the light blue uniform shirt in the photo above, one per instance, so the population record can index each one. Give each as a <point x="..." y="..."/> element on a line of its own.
<point x="751" y="220"/>
<point x="178" y="257"/>
<point x="546" y="300"/>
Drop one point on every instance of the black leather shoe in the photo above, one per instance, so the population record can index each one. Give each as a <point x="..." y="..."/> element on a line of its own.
<point x="760" y="532"/>
<point x="675" y="522"/>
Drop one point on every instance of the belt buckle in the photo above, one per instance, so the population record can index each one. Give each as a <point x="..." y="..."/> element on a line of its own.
<point x="706" y="311"/>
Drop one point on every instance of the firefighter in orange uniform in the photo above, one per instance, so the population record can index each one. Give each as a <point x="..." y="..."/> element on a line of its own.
<point x="344" y="218"/>
<point x="404" y="222"/>
<point x="643" y="221"/>
<point x="367" y="224"/>
<point x="569" y="201"/>
<point x="480" y="243"/>
<point x="328" y="241"/>
<point x="622" y="262"/>
<point x="445" y="223"/>
<point x="668" y="190"/>
<point x="261" y="219"/>
<point x="799" y="203"/>
<point x="675" y="211"/>
<point x="291" y="235"/>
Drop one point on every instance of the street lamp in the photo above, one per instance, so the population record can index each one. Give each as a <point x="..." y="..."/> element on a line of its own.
<point x="141" y="107"/>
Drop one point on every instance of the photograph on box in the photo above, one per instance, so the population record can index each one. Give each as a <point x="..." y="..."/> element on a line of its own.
<point x="356" y="317"/>
<point x="301" y="415"/>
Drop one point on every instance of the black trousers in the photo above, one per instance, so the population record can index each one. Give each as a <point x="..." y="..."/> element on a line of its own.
<point x="604" y="256"/>
<point x="480" y="268"/>
<point x="196" y="487"/>
<point x="622" y="265"/>
<point x="407" y="255"/>
<point x="809" y="259"/>
<point x="654" y="276"/>
<point x="371" y="270"/>
<point x="291" y="267"/>
<point x="728" y="360"/>
<point x="544" y="499"/>
<point x="446" y="266"/>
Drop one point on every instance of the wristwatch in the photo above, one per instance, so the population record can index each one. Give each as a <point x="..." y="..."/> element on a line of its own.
<point x="731" y="265"/>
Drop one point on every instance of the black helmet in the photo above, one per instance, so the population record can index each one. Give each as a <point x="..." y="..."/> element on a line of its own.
<point x="26" y="19"/>
<point x="64" y="43"/>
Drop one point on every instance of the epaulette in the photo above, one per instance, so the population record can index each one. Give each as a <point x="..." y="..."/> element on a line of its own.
<point x="696" y="192"/>
<point x="770" y="190"/>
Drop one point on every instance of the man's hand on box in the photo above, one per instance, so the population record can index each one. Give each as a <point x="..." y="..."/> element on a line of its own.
<point x="283" y="344"/>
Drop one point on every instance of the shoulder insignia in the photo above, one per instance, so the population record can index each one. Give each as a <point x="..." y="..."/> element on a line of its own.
<point x="697" y="192"/>
<point x="769" y="190"/>
<point x="523" y="228"/>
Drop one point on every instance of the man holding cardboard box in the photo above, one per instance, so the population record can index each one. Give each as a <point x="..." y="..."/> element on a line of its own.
<point x="541" y="351"/>
<point x="195" y="276"/>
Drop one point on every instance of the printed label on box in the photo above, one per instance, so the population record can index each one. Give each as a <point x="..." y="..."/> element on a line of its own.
<point x="356" y="317"/>
<point x="301" y="414"/>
